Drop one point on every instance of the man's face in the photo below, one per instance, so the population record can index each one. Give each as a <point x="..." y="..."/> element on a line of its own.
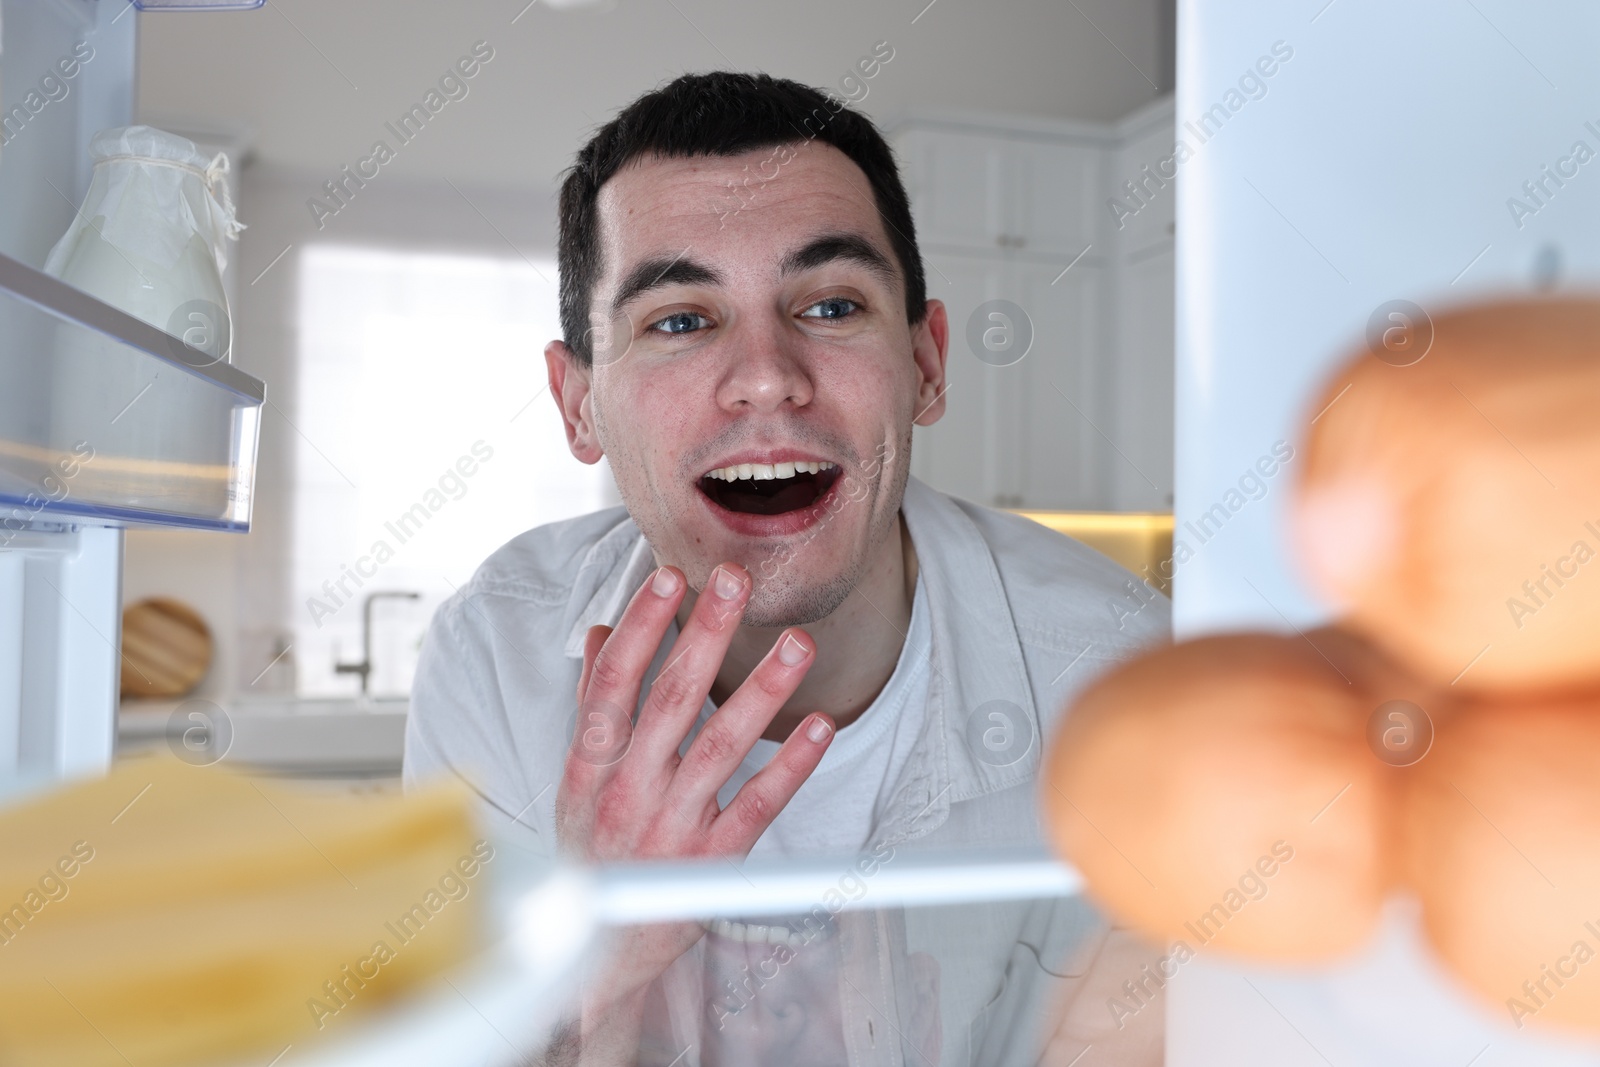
<point x="755" y="380"/>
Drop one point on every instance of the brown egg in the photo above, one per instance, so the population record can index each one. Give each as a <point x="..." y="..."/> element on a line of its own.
<point x="1502" y="846"/>
<point x="1451" y="507"/>
<point x="1222" y="792"/>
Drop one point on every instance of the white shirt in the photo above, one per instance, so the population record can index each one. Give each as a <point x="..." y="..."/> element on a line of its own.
<point x="836" y="809"/>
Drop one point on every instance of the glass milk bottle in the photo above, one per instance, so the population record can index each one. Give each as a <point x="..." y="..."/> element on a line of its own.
<point x="149" y="239"/>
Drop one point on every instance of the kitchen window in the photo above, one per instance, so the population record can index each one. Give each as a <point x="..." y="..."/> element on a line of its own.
<point x="425" y="439"/>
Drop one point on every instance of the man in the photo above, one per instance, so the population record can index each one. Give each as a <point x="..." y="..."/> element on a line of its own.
<point x="781" y="645"/>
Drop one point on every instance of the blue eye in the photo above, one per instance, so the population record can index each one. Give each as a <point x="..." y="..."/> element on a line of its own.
<point x="681" y="322"/>
<point x="835" y="307"/>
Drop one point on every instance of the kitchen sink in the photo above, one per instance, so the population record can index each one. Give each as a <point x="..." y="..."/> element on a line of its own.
<point x="337" y="737"/>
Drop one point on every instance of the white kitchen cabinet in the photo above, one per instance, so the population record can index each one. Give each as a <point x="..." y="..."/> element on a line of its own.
<point x="1019" y="434"/>
<point x="1140" y="471"/>
<point x="1139" y="371"/>
<point x="1145" y="160"/>
<point x="1052" y="191"/>
<point x="986" y="191"/>
<point x="963" y="452"/>
<point x="1021" y="211"/>
<point x="1063" y="419"/>
<point x="957" y="186"/>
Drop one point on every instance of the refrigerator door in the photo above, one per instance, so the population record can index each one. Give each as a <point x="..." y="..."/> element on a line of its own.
<point x="1342" y="156"/>
<point x="104" y="420"/>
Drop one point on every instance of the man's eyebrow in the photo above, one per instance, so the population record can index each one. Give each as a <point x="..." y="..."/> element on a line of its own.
<point x="659" y="274"/>
<point x="834" y="246"/>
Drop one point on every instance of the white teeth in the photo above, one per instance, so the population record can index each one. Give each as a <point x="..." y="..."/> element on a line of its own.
<point x="766" y="471"/>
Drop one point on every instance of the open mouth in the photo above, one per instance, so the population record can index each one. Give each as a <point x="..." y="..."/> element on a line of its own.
<point x="769" y="488"/>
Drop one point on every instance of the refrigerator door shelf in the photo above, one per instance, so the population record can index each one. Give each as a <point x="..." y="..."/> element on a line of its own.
<point x="106" y="418"/>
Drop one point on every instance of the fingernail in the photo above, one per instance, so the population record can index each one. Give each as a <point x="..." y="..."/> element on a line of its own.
<point x="727" y="584"/>
<point x="819" y="730"/>
<point x="791" y="651"/>
<point x="665" y="583"/>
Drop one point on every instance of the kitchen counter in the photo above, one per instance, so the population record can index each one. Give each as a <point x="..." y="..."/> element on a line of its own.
<point x="339" y="738"/>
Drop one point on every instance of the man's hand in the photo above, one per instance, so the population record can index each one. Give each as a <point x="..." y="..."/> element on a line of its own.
<point x="625" y="792"/>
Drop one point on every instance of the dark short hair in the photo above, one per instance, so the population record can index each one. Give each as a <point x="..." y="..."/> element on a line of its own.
<point x="721" y="114"/>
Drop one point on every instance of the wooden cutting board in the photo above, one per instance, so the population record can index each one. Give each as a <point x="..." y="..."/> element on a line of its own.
<point x="166" y="648"/>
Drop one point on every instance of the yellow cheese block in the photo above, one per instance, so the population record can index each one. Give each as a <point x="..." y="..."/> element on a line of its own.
<point x="169" y="914"/>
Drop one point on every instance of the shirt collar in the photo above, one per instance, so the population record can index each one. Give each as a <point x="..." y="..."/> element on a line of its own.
<point x="624" y="558"/>
<point x="977" y="655"/>
<point x="977" y="667"/>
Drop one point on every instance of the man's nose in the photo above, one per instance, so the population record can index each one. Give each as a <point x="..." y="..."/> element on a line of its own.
<point x="764" y="370"/>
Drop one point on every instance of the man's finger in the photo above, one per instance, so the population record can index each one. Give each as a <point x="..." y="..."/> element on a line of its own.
<point x="730" y="733"/>
<point x="679" y="690"/>
<point x="616" y="672"/>
<point x="613" y="671"/>
<point x="758" y="802"/>
<point x="602" y="732"/>
<point x="592" y="641"/>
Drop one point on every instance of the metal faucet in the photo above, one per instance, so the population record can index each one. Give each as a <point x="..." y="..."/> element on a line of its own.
<point x="364" y="668"/>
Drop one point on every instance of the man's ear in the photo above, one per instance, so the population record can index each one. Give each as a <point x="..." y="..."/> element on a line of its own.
<point x="570" y="382"/>
<point x="930" y="344"/>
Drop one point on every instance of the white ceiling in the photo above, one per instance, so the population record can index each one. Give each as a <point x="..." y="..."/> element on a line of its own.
<point x="313" y="81"/>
